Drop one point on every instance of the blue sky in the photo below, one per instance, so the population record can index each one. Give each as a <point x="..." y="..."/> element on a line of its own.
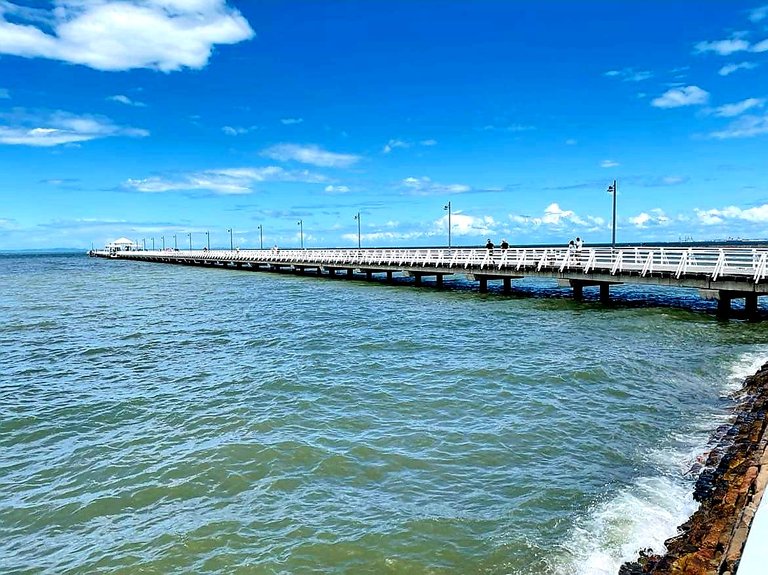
<point x="150" y="118"/>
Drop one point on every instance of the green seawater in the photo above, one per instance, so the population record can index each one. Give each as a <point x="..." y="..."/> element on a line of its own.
<point x="168" y="419"/>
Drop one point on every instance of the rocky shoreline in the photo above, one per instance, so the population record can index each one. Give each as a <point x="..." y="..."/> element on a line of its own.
<point x="728" y="489"/>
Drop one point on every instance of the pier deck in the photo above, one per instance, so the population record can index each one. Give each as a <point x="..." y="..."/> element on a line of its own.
<point x="720" y="273"/>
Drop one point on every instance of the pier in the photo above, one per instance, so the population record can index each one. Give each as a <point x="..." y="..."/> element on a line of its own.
<point x="721" y="273"/>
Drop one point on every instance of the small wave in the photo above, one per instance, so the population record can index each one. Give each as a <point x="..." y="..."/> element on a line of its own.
<point x="641" y="515"/>
<point x="747" y="364"/>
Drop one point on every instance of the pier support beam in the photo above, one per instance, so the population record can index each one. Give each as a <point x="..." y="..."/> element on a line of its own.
<point x="507" y="285"/>
<point x="724" y="304"/>
<point x="417" y="279"/>
<point x="389" y="276"/>
<point x="750" y="307"/>
<point x="439" y="280"/>
<point x="605" y="293"/>
<point x="483" y="284"/>
<point x="350" y="272"/>
<point x="578" y="291"/>
<point x="368" y="275"/>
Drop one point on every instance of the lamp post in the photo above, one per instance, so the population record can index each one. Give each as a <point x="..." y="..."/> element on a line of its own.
<point x="175" y="243"/>
<point x="301" y="232"/>
<point x="448" y="207"/>
<point x="208" y="240"/>
<point x="359" y="242"/>
<point x="163" y="238"/>
<point x="189" y="235"/>
<point x="231" y="241"/>
<point x="261" y="237"/>
<point x="613" y="189"/>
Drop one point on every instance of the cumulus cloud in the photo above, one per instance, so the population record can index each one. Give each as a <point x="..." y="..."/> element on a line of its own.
<point x="426" y="187"/>
<point x="729" y="69"/>
<point x="115" y="35"/>
<point x="757" y="214"/>
<point x="392" y="144"/>
<point x="731" y="110"/>
<point x="126" y="100"/>
<point x="656" y="217"/>
<point x="677" y="97"/>
<point x="228" y="181"/>
<point x="313" y="155"/>
<point x="57" y="128"/>
<point x="744" y="127"/>
<point x="723" y="47"/>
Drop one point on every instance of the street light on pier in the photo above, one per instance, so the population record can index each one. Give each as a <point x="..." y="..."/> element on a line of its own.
<point x="448" y="207"/>
<point x="189" y="234"/>
<point x="208" y="240"/>
<point x="231" y="241"/>
<point x="613" y="189"/>
<point x="301" y="232"/>
<point x="261" y="237"/>
<point x="175" y="243"/>
<point x="359" y="243"/>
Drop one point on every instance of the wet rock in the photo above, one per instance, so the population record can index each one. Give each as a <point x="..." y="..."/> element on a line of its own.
<point x="711" y="541"/>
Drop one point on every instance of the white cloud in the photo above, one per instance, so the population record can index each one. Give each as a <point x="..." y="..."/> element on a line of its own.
<point x="337" y="189"/>
<point x="758" y="14"/>
<point x="731" y="110"/>
<point x="644" y="219"/>
<point x="429" y="142"/>
<point x="112" y="35"/>
<point x="426" y="187"/>
<point x="757" y="214"/>
<point x="126" y="100"/>
<point x="609" y="164"/>
<point x="723" y="47"/>
<point x="238" y="130"/>
<point x="630" y="74"/>
<point x="228" y="181"/>
<point x="744" y="127"/>
<point x="4" y="94"/>
<point x="677" y="97"/>
<point x="291" y="121"/>
<point x="729" y="69"/>
<point x="392" y="144"/>
<point x="760" y="47"/>
<point x="508" y="128"/>
<point x="59" y="128"/>
<point x="313" y="155"/>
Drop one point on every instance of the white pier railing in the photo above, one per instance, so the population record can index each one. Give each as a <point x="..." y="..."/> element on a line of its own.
<point x="678" y="262"/>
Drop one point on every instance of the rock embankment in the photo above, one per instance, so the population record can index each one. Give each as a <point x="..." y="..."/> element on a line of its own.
<point x="728" y="489"/>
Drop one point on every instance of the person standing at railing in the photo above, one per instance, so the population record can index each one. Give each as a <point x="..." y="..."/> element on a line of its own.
<point x="504" y="245"/>
<point x="489" y="245"/>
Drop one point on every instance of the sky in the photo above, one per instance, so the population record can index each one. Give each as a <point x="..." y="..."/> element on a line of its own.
<point x="171" y="122"/>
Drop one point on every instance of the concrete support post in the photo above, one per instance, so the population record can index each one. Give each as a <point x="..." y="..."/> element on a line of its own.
<point x="369" y="275"/>
<point x="331" y="272"/>
<point x="605" y="293"/>
<point x="483" y="284"/>
<point x="507" y="285"/>
<point x="750" y="306"/>
<point x="724" y="304"/>
<point x="578" y="291"/>
<point x="349" y="272"/>
<point x="417" y="279"/>
<point x="389" y="275"/>
<point x="439" y="280"/>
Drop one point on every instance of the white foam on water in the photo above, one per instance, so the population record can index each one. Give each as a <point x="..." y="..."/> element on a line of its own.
<point x="643" y="515"/>
<point x="747" y="364"/>
<point x="647" y="512"/>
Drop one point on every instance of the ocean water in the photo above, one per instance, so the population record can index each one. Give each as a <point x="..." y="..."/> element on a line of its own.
<point x="164" y="419"/>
